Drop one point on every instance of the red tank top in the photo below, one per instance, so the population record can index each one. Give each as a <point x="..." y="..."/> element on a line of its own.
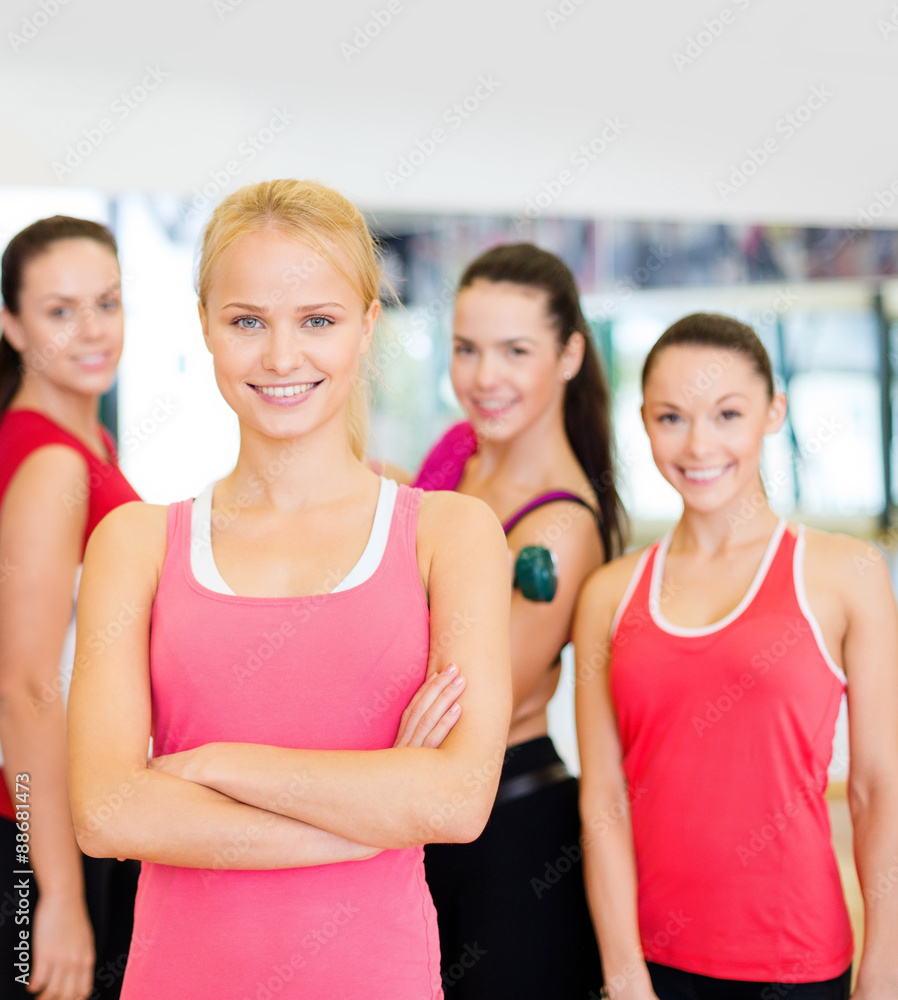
<point x="331" y="672"/>
<point x="22" y="432"/>
<point x="727" y="735"/>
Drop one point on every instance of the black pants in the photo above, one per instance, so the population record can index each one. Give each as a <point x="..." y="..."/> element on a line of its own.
<point x="511" y="906"/>
<point x="109" y="887"/>
<point x="674" y="984"/>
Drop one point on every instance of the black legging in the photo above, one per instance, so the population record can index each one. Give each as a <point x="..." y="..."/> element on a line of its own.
<point x="109" y="887"/>
<point x="511" y="906"/>
<point x="674" y="984"/>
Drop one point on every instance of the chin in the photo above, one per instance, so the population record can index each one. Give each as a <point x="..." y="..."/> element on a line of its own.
<point x="490" y="430"/>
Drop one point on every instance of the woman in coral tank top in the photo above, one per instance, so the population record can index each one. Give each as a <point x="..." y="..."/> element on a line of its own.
<point x="282" y="622"/>
<point x="711" y="669"/>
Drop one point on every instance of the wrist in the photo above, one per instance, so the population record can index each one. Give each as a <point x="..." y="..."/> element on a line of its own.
<point x="621" y="977"/>
<point x="874" y="983"/>
<point x="62" y="897"/>
<point x="202" y="770"/>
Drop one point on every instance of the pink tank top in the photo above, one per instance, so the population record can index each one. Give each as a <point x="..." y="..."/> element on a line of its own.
<point x="727" y="735"/>
<point x="333" y="672"/>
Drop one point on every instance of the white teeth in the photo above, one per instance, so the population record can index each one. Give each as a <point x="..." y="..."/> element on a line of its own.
<point x="492" y="405"/>
<point x="285" y="390"/>
<point x="90" y="359"/>
<point x="701" y="475"/>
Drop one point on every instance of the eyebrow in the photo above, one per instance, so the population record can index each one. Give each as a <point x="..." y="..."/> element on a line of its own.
<point x="57" y="297"/>
<point x="310" y="308"/>
<point x="729" y="395"/>
<point x="502" y="343"/>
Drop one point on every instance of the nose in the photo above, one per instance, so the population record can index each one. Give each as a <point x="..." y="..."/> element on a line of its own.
<point x="487" y="372"/>
<point x="87" y="324"/>
<point x="700" y="438"/>
<point x="282" y="351"/>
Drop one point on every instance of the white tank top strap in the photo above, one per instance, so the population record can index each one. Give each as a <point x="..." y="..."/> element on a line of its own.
<point x="202" y="561"/>
<point x="805" y="605"/>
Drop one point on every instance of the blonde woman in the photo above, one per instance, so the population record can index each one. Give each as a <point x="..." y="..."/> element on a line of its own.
<point x="283" y="819"/>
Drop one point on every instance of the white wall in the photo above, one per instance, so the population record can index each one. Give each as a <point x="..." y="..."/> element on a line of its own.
<point x="206" y="78"/>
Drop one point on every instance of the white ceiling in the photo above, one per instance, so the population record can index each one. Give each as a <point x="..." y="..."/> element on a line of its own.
<point x="231" y="65"/>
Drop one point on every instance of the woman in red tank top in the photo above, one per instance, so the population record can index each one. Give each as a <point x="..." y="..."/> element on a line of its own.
<point x="282" y="826"/>
<point x="711" y="668"/>
<point x="62" y="338"/>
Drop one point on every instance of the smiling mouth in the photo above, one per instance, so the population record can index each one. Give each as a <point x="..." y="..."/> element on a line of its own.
<point x="705" y="475"/>
<point x="92" y="360"/>
<point x="295" y="389"/>
<point x="493" y="405"/>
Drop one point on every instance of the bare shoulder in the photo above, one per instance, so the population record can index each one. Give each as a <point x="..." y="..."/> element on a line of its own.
<point x="445" y="515"/>
<point x="133" y="531"/>
<point x="457" y="530"/>
<point x="606" y="586"/>
<point x="50" y="471"/>
<point x="853" y="567"/>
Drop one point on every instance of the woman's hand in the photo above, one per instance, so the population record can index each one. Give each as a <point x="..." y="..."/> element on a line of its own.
<point x="433" y="711"/>
<point x="63" y="949"/>
<point x="186" y="764"/>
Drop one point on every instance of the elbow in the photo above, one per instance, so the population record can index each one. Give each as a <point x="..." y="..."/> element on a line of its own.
<point x="91" y="835"/>
<point x="104" y="821"/>
<point x="456" y="819"/>
<point x="866" y="786"/>
<point x="90" y="844"/>
<point x="467" y="832"/>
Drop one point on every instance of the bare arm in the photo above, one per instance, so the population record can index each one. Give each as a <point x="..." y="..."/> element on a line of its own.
<point x="608" y="855"/>
<point x="870" y="651"/>
<point x="122" y="808"/>
<point x="42" y="524"/>
<point x="408" y="795"/>
<point x="539" y="630"/>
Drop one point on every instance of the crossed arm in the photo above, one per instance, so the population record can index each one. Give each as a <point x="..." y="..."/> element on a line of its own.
<point x="348" y="804"/>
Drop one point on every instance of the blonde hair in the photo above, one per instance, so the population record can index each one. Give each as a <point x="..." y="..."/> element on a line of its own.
<point x="325" y="221"/>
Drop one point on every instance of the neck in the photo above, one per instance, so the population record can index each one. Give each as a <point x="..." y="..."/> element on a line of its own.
<point x="292" y="473"/>
<point x="74" y="411"/>
<point x="745" y="521"/>
<point x="525" y="458"/>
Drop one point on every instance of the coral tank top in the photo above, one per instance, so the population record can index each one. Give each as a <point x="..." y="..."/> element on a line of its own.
<point x="727" y="734"/>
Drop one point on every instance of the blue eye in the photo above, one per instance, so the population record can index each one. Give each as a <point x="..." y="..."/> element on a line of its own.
<point x="247" y="323"/>
<point x="110" y="305"/>
<point x="319" y="322"/>
<point x="669" y="418"/>
<point x="730" y="414"/>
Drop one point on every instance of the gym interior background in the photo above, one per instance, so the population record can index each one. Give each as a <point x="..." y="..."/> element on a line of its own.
<point x="720" y="155"/>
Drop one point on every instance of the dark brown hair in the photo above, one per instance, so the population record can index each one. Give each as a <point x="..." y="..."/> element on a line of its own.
<point x="587" y="419"/>
<point x="31" y="242"/>
<point x="714" y="330"/>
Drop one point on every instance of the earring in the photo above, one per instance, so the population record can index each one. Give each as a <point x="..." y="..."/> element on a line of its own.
<point x="567" y="376"/>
